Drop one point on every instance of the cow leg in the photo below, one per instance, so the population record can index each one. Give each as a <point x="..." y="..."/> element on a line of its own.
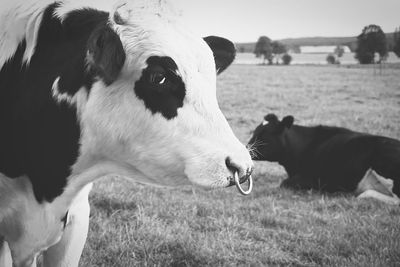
<point x="67" y="252"/>
<point x="5" y="254"/>
<point x="6" y="258"/>
<point x="379" y="196"/>
<point x="371" y="181"/>
<point x="371" y="186"/>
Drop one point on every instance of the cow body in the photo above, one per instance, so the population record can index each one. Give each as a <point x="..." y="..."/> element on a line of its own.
<point x="325" y="158"/>
<point x="87" y="91"/>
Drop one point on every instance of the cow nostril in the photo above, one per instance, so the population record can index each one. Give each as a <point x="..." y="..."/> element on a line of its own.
<point x="239" y="176"/>
<point x="232" y="167"/>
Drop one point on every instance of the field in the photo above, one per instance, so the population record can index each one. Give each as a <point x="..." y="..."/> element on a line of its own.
<point x="136" y="225"/>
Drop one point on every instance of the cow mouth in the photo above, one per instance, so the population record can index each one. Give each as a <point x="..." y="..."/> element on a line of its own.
<point x="235" y="180"/>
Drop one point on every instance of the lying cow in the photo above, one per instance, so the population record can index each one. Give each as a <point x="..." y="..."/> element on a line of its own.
<point x="87" y="91"/>
<point x="328" y="158"/>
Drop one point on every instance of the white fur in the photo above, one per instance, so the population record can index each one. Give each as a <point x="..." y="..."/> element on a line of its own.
<point x="119" y="135"/>
<point x="27" y="226"/>
<point x="78" y="100"/>
<point x="60" y="97"/>
<point x="375" y="186"/>
<point x="19" y="19"/>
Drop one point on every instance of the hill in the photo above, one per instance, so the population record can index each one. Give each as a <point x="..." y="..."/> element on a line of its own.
<point x="295" y="43"/>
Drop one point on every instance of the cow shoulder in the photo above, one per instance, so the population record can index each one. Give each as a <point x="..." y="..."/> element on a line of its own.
<point x="40" y="125"/>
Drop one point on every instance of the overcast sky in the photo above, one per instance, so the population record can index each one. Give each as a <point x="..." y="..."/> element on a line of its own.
<point x="246" y="20"/>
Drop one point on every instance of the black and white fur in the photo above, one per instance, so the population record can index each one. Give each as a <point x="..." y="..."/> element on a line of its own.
<point x="87" y="91"/>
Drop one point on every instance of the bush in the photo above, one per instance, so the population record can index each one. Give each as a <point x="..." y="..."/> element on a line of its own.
<point x="331" y="59"/>
<point x="286" y="59"/>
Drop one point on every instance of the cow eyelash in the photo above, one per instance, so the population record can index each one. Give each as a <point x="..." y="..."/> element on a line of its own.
<point x="175" y="73"/>
<point x="160" y="75"/>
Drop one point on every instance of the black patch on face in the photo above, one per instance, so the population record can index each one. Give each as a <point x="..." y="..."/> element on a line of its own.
<point x="38" y="136"/>
<point x="160" y="87"/>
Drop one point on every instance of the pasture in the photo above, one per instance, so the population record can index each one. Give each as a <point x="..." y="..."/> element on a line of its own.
<point x="137" y="225"/>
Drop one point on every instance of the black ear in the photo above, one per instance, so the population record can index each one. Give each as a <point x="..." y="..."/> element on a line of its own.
<point x="287" y="121"/>
<point x="271" y="118"/>
<point x="224" y="51"/>
<point x="106" y="53"/>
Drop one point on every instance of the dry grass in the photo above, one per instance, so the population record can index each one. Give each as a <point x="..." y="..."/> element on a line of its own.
<point x="135" y="225"/>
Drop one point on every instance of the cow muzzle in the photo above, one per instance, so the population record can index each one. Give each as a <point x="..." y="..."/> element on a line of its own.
<point x="241" y="174"/>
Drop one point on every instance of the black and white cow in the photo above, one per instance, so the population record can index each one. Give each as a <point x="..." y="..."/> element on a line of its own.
<point x="329" y="159"/>
<point x="87" y="91"/>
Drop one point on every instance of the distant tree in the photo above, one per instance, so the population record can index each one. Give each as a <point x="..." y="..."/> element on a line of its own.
<point x="372" y="40"/>
<point x="331" y="59"/>
<point x="339" y="51"/>
<point x="295" y="49"/>
<point x="286" y="58"/>
<point x="278" y="49"/>
<point x="396" y="47"/>
<point x="263" y="48"/>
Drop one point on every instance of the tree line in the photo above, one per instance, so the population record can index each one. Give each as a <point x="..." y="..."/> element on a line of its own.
<point x="372" y="47"/>
<point x="271" y="51"/>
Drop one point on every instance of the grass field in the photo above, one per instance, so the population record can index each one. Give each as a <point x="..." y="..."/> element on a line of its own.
<point x="136" y="225"/>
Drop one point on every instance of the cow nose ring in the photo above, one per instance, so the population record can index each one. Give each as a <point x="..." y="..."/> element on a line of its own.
<point x="249" y="180"/>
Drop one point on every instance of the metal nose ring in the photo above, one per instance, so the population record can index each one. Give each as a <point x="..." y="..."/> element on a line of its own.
<point x="239" y="187"/>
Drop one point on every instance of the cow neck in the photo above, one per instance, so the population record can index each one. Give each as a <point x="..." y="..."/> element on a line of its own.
<point x="88" y="170"/>
<point x="296" y="143"/>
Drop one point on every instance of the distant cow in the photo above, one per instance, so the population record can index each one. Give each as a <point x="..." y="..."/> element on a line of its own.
<point x="328" y="158"/>
<point x="88" y="90"/>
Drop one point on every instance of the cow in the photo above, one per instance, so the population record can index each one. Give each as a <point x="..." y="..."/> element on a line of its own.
<point x="89" y="89"/>
<point x="329" y="159"/>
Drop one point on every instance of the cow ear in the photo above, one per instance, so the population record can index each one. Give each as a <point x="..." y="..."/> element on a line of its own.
<point x="106" y="53"/>
<point x="224" y="51"/>
<point x="287" y="121"/>
<point x="271" y="118"/>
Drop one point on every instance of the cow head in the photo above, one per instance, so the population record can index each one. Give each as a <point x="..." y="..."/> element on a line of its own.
<point x="153" y="110"/>
<point x="267" y="140"/>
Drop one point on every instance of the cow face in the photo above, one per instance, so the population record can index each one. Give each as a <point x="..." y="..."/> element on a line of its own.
<point x="153" y="111"/>
<point x="267" y="142"/>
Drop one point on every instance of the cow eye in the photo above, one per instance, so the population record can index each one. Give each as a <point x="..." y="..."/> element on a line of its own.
<point x="157" y="78"/>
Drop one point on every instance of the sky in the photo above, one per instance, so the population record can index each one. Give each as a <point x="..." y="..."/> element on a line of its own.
<point x="246" y="20"/>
